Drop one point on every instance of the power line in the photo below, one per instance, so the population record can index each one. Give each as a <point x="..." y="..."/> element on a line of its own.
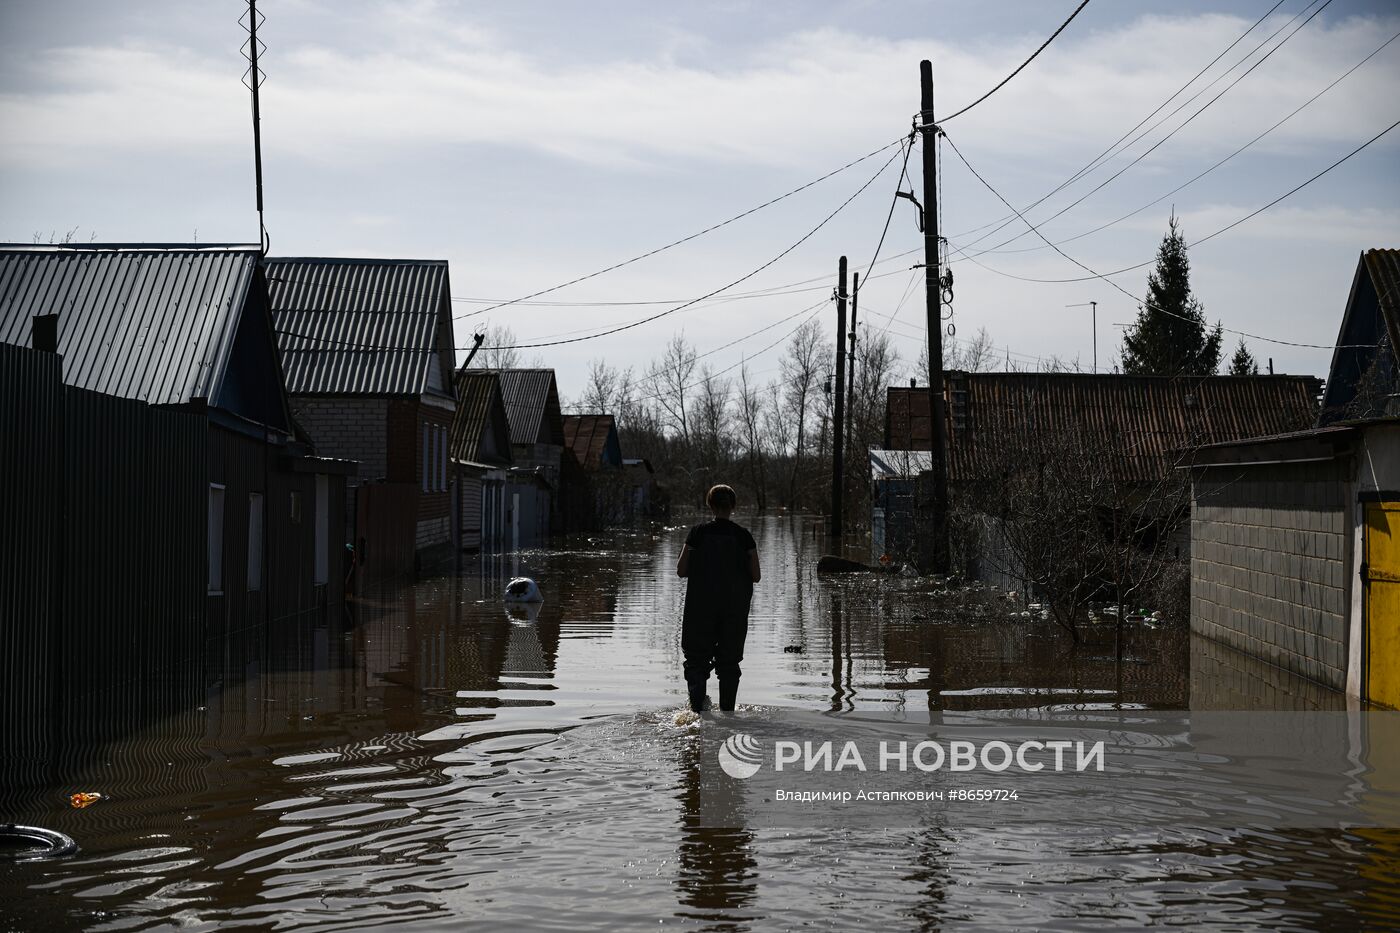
<point x="687" y="239"/>
<point x="1211" y="236"/>
<point x="1003" y="82"/>
<point x="1299" y="109"/>
<point x="1003" y="221"/>
<point x="1145" y="153"/>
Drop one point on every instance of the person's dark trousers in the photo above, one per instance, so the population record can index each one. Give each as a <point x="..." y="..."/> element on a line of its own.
<point x="713" y="644"/>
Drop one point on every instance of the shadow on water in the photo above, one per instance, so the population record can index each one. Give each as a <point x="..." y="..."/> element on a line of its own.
<point x="435" y="756"/>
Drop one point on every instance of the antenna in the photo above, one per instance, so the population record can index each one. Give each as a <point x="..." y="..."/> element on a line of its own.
<point x="1093" y="306"/>
<point x="252" y="80"/>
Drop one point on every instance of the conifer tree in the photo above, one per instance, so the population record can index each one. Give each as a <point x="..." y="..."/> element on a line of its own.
<point x="1243" y="362"/>
<point x="1170" y="336"/>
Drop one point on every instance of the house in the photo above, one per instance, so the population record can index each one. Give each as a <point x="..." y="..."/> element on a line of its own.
<point x="893" y="475"/>
<point x="594" y="488"/>
<point x="641" y="482"/>
<point x="1294" y="557"/>
<point x="177" y="487"/>
<point x="1130" y="430"/>
<point x="481" y="455"/>
<point x="537" y="445"/>
<point x="367" y="350"/>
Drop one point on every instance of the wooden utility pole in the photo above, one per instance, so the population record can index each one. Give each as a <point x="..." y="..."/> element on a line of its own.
<point x="838" y="419"/>
<point x="934" y="553"/>
<point x="851" y="369"/>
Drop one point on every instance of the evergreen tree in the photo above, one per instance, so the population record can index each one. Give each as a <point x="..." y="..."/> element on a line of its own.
<point x="1171" y="337"/>
<point x="1243" y="362"/>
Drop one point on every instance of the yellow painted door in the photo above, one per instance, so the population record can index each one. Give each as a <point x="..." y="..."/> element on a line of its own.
<point x="1383" y="603"/>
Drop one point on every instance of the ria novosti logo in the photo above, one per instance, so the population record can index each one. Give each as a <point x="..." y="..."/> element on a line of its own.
<point x="740" y="756"/>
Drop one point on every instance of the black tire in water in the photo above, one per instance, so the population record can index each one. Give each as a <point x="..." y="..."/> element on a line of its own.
<point x="33" y="843"/>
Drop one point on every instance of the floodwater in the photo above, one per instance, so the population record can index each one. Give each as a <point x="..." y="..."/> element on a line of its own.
<point x="432" y="761"/>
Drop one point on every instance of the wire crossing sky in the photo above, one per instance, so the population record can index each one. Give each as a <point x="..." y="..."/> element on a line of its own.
<point x="537" y="145"/>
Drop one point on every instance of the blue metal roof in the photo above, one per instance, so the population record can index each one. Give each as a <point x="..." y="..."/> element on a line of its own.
<point x="150" y="323"/>
<point x="363" y="326"/>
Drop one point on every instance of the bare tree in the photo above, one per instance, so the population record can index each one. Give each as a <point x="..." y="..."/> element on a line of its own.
<point x="498" y="349"/>
<point x="669" y="382"/>
<point x="712" y="423"/>
<point x="600" y="389"/>
<point x="777" y="426"/>
<point x="804" y="365"/>
<point x="750" y="414"/>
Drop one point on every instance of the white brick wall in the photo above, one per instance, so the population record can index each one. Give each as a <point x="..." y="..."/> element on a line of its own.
<point x="1269" y="565"/>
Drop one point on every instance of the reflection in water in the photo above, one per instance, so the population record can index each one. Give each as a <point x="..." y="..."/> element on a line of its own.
<point x="716" y="874"/>
<point x="435" y="755"/>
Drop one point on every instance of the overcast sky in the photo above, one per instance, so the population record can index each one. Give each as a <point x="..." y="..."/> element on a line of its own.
<point x="529" y="143"/>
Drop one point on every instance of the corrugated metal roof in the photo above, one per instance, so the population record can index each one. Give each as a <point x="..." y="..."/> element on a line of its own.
<point x="532" y="404"/>
<point x="137" y="322"/>
<point x="588" y="436"/>
<point x="1384" y="268"/>
<point x="1150" y="416"/>
<point x="361" y="326"/>
<point x="480" y="409"/>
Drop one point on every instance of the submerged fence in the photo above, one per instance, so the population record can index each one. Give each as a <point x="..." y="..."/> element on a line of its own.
<point x="102" y="576"/>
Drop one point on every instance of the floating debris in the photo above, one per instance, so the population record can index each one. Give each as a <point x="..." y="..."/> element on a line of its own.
<point x="793" y="649"/>
<point x="84" y="799"/>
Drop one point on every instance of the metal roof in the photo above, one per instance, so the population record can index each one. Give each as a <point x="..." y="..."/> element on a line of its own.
<point x="590" y="437"/>
<point x="532" y="404"/>
<point x="1372" y="312"/>
<point x="480" y="409"/>
<point x="139" y="322"/>
<point x="362" y="326"/>
<point x="1151" y="417"/>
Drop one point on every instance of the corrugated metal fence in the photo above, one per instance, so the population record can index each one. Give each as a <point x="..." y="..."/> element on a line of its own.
<point x="103" y="502"/>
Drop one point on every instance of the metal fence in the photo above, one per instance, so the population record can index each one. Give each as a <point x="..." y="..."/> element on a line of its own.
<point x="102" y="576"/>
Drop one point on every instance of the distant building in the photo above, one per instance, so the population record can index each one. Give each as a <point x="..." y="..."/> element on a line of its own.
<point x="593" y="439"/>
<point x="367" y="349"/>
<point x="537" y="445"/>
<point x="641" y="483"/>
<point x="481" y="454"/>
<point x="1295" y="538"/>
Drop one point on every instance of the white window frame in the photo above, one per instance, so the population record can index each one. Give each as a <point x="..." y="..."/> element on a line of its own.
<point x="215" y="540"/>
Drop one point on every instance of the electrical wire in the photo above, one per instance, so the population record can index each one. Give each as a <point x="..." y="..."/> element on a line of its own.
<point x="894" y="200"/>
<point x="1211" y="236"/>
<point x="1003" y="82"/>
<point x="687" y="239"/>
<point x="1107" y="153"/>
<point x="1110" y="179"/>
<point x="1299" y="109"/>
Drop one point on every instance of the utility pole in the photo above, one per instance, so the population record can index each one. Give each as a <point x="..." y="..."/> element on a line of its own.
<point x="851" y="379"/>
<point x="839" y="415"/>
<point x="1093" y="307"/>
<point x="934" y="555"/>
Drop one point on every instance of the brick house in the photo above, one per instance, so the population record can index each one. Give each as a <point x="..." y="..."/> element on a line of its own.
<point x="367" y="349"/>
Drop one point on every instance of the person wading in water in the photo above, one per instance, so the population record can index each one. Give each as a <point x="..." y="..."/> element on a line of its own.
<point x="720" y="564"/>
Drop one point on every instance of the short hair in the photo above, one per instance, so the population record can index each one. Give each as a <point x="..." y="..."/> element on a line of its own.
<point x="721" y="497"/>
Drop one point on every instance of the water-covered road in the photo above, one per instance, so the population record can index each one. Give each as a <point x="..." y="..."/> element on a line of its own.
<point x="434" y="760"/>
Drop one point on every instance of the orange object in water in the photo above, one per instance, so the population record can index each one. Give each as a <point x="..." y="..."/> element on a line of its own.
<point x="84" y="800"/>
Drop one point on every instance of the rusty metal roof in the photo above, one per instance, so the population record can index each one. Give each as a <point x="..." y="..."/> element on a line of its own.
<point x="480" y="428"/>
<point x="155" y="324"/>
<point x="363" y="326"/>
<point x="593" y="439"/>
<point x="532" y="404"/>
<point x="1151" y="417"/>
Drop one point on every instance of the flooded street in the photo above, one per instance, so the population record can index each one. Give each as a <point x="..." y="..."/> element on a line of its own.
<point x="435" y="760"/>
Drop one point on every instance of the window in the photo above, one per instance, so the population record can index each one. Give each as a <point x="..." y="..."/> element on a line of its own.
<point x="255" y="541"/>
<point x="442" y="460"/>
<point x="427" y="454"/>
<point x="323" y="530"/>
<point x="216" y="539"/>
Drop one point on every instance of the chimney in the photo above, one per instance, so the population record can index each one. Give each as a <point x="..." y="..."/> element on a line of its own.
<point x="43" y="334"/>
<point x="912" y="383"/>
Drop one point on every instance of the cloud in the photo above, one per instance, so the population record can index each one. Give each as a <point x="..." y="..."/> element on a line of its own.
<point x="796" y="101"/>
